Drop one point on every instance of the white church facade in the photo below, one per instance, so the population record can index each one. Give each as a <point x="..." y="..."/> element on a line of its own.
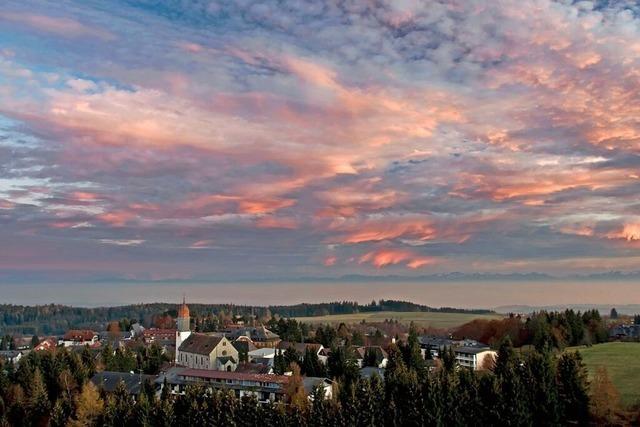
<point x="202" y="351"/>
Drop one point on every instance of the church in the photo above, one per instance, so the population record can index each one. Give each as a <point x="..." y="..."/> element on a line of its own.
<point x="202" y="351"/>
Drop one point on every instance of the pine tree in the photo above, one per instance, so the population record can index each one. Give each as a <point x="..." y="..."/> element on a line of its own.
<point x="572" y="388"/>
<point x="89" y="406"/>
<point x="542" y="389"/>
<point x="38" y="404"/>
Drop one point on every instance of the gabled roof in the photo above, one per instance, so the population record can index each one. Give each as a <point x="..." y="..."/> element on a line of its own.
<point x="259" y="333"/>
<point x="108" y="380"/>
<point x="200" y="344"/>
<point x="79" y="335"/>
<point x="361" y="352"/>
<point x="299" y="347"/>
<point x="224" y="359"/>
<point x="238" y="376"/>
<point x="310" y="383"/>
<point x="471" y="350"/>
<point x="244" y="345"/>
<point x="48" y="345"/>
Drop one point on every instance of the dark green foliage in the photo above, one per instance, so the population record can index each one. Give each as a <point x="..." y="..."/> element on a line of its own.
<point x="537" y="389"/>
<point x="572" y="388"/>
<point x="311" y="365"/>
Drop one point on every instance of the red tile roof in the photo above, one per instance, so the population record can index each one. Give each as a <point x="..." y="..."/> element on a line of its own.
<point x="79" y="335"/>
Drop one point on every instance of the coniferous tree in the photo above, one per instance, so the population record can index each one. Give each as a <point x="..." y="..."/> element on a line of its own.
<point x="572" y="388"/>
<point x="89" y="406"/>
<point x="38" y="404"/>
<point x="311" y="365"/>
<point x="542" y="390"/>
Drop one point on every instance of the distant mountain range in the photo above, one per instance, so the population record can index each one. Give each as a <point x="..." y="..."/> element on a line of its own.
<point x="629" y="309"/>
<point x="15" y="277"/>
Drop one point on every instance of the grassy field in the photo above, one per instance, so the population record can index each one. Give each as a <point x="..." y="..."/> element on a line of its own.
<point x="435" y="320"/>
<point x="622" y="360"/>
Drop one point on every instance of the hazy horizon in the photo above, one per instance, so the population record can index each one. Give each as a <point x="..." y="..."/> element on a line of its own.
<point x="476" y="294"/>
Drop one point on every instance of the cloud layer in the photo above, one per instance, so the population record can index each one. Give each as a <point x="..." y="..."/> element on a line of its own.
<point x="182" y="140"/>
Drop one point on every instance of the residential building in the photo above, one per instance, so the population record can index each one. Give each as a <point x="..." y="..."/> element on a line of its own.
<point x="11" y="356"/>
<point x="48" y="344"/>
<point x="475" y="358"/>
<point x="78" y="337"/>
<point x="265" y="387"/>
<point x="300" y="348"/>
<point x="361" y="352"/>
<point x="108" y="381"/>
<point x="259" y="335"/>
<point x="311" y="383"/>
<point x="631" y="331"/>
<point x="209" y="352"/>
<point x="159" y="336"/>
<point x="369" y="371"/>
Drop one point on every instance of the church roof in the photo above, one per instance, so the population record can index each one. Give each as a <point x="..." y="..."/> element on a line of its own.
<point x="183" y="311"/>
<point x="200" y="344"/>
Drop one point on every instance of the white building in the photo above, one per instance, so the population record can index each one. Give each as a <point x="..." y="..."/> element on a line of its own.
<point x="475" y="358"/>
<point x="210" y="352"/>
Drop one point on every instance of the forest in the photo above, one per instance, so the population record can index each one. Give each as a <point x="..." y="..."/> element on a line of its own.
<point x="537" y="388"/>
<point x="56" y="319"/>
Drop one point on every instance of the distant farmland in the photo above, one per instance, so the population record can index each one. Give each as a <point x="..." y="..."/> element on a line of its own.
<point x="622" y="360"/>
<point x="433" y="319"/>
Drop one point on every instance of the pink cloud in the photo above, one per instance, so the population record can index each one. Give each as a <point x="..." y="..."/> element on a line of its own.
<point x="65" y="27"/>
<point x="384" y="257"/>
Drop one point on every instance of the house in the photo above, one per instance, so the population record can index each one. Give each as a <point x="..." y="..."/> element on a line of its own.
<point x="474" y="358"/>
<point x="209" y="352"/>
<point x="260" y="336"/>
<point x="244" y="345"/>
<point x="22" y="343"/>
<point x="625" y="331"/>
<point x="433" y="345"/>
<point x="48" y="344"/>
<point x="256" y="368"/>
<point x="159" y="336"/>
<point x="300" y="348"/>
<point x="11" y="356"/>
<point x="311" y="383"/>
<point x="79" y="337"/>
<point x="108" y="381"/>
<point x="323" y="355"/>
<point x="262" y="353"/>
<point x="369" y="371"/>
<point x="265" y="387"/>
<point x="377" y="354"/>
<point x="137" y="330"/>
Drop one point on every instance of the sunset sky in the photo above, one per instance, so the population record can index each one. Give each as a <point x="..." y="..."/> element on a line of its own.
<point x="270" y="139"/>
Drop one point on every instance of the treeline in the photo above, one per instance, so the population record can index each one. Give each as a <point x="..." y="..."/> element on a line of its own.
<point x="543" y="329"/>
<point x="534" y="389"/>
<point x="55" y="319"/>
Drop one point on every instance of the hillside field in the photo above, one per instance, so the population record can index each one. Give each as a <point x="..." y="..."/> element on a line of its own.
<point x="622" y="360"/>
<point x="425" y="319"/>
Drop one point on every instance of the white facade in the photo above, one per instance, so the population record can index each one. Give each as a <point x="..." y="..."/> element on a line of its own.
<point x="474" y="358"/>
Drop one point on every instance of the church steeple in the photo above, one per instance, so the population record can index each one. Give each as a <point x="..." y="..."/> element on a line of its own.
<point x="184" y="318"/>
<point x="183" y="324"/>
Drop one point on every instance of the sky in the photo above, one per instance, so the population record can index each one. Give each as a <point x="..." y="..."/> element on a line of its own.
<point x="203" y="140"/>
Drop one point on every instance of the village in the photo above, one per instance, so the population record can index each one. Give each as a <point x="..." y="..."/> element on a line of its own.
<point x="248" y="359"/>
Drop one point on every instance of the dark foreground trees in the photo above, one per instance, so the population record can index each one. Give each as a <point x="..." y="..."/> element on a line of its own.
<point x="534" y="389"/>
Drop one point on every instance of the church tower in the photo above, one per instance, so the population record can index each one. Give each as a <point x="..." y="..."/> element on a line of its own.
<point x="183" y="326"/>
